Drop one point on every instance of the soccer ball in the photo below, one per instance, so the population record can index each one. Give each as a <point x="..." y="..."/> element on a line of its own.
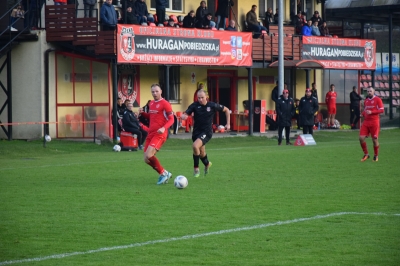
<point x="117" y="148"/>
<point x="47" y="138"/>
<point x="180" y="182"/>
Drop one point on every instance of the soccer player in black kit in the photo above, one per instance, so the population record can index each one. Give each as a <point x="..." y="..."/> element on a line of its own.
<point x="204" y="112"/>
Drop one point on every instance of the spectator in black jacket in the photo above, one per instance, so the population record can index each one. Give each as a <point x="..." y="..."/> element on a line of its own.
<point x="160" y="10"/>
<point x="355" y="99"/>
<point x="285" y="110"/>
<point x="269" y="18"/>
<point x="189" y="21"/>
<point x="205" y="23"/>
<point x="142" y="14"/>
<point x="307" y="108"/>
<point x="130" y="123"/>
<point x="201" y="12"/>
<point x="223" y="10"/>
<point x="129" y="12"/>
<point x="317" y="18"/>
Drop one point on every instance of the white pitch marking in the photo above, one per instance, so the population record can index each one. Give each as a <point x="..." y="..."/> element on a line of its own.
<point x="152" y="242"/>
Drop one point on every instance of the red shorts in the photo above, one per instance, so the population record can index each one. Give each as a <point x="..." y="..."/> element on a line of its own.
<point x="155" y="140"/>
<point x="370" y="130"/>
<point x="331" y="110"/>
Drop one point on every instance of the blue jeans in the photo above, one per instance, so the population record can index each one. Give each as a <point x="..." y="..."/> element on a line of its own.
<point x="257" y="30"/>
<point x="221" y="22"/>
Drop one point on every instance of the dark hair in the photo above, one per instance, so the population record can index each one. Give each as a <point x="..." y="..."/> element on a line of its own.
<point x="354" y="87"/>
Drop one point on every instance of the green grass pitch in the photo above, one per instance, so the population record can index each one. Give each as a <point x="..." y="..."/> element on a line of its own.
<point x="77" y="203"/>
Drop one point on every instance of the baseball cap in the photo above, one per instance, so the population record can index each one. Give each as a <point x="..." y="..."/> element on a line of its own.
<point x="308" y="89"/>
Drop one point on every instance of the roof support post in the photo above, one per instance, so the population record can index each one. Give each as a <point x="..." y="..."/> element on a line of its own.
<point x="251" y="105"/>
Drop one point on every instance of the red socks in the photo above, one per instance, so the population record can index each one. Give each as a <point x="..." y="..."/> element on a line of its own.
<point x="376" y="150"/>
<point x="155" y="163"/>
<point x="364" y="147"/>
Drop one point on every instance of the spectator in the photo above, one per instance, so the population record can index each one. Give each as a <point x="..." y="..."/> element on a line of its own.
<point x="89" y="6"/>
<point x="131" y="124"/>
<point x="285" y="110"/>
<point x="223" y="10"/>
<point x="316" y="18"/>
<point x="201" y="12"/>
<point x="171" y="23"/>
<point x="205" y="23"/>
<point x="276" y="16"/>
<point x="275" y="93"/>
<point x="231" y="26"/>
<point x="296" y="114"/>
<point x="307" y="108"/>
<point x="324" y="30"/>
<point x="108" y="16"/>
<point x="189" y="21"/>
<point x="16" y="13"/>
<point x="269" y="18"/>
<point x="160" y="10"/>
<point x="314" y="91"/>
<point x="306" y="30"/>
<point x="252" y="22"/>
<point x="315" y="29"/>
<point x="120" y="113"/>
<point x="70" y="2"/>
<point x="129" y="12"/>
<point x="299" y="22"/>
<point x="330" y="100"/>
<point x="355" y="99"/>
<point x="142" y="14"/>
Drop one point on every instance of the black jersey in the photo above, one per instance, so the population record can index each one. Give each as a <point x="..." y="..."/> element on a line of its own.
<point x="203" y="115"/>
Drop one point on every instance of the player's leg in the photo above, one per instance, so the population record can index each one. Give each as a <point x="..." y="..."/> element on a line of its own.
<point x="197" y="144"/>
<point x="154" y="144"/>
<point x="364" y="132"/>
<point x="375" y="134"/>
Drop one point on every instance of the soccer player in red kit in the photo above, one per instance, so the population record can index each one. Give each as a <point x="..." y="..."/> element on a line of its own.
<point x="373" y="107"/>
<point x="161" y="118"/>
<point x="330" y="100"/>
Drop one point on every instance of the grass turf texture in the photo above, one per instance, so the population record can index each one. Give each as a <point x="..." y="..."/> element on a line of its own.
<point x="75" y="197"/>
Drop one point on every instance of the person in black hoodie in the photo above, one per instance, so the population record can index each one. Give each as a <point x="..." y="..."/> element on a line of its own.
<point x="130" y="123"/>
<point x="355" y="99"/>
<point x="285" y="110"/>
<point x="189" y="21"/>
<point x="129" y="12"/>
<point x="307" y="108"/>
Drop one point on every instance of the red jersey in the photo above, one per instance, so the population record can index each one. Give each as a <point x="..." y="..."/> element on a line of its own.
<point x="330" y="98"/>
<point x="158" y="115"/>
<point x="375" y="105"/>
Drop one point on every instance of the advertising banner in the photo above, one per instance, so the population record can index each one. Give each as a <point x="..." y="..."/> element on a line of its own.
<point x="395" y="63"/>
<point x="339" y="53"/>
<point x="378" y="63"/>
<point x="181" y="46"/>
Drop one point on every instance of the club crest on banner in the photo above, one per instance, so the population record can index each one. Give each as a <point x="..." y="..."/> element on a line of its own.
<point x="257" y="110"/>
<point x="127" y="43"/>
<point x="369" y="54"/>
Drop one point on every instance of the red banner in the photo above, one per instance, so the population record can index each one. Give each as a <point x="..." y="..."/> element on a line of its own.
<point x="340" y="53"/>
<point x="182" y="46"/>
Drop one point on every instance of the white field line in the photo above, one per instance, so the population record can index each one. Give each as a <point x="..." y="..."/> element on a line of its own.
<point x="152" y="242"/>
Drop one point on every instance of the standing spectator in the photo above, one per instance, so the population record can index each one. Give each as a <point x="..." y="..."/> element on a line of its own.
<point x="16" y="13"/>
<point x="299" y="22"/>
<point x="189" y="21"/>
<point x="205" y="23"/>
<point x="306" y="30"/>
<point x="88" y="5"/>
<point x="316" y="18"/>
<point x="330" y="100"/>
<point x="202" y="12"/>
<point x="269" y="18"/>
<point x="161" y="118"/>
<point x="130" y="123"/>
<point x="315" y="30"/>
<point x="254" y="25"/>
<point x="276" y="16"/>
<point x="307" y="108"/>
<point x="204" y="113"/>
<point x="231" y="26"/>
<point x="73" y="2"/>
<point x="108" y="16"/>
<point x="324" y="30"/>
<point x="285" y="110"/>
<point x="314" y="91"/>
<point x="355" y="99"/>
<point x="223" y="11"/>
<point x="160" y="10"/>
<point x="373" y="107"/>
<point x="142" y="14"/>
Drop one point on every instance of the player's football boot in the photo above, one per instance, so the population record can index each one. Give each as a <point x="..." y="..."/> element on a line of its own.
<point x="375" y="158"/>
<point x="364" y="158"/>
<point x="207" y="167"/>
<point x="196" y="172"/>
<point x="163" y="179"/>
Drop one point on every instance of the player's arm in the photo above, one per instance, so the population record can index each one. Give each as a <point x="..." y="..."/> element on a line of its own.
<point x="143" y="113"/>
<point x="379" y="108"/>
<point x="185" y="114"/>
<point x="228" y="118"/>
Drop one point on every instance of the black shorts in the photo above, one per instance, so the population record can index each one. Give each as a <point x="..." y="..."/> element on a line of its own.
<point x="204" y="137"/>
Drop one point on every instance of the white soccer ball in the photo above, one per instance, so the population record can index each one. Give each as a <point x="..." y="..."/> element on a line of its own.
<point x="180" y="182"/>
<point x="117" y="148"/>
<point x="47" y="138"/>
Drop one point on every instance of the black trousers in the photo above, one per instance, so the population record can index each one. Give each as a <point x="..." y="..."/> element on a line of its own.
<point x="307" y="129"/>
<point x="141" y="134"/>
<point x="287" y="133"/>
<point x="354" y="113"/>
<point x="160" y="12"/>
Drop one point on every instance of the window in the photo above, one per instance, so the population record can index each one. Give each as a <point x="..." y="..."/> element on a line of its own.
<point x="174" y="82"/>
<point x="172" y="5"/>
